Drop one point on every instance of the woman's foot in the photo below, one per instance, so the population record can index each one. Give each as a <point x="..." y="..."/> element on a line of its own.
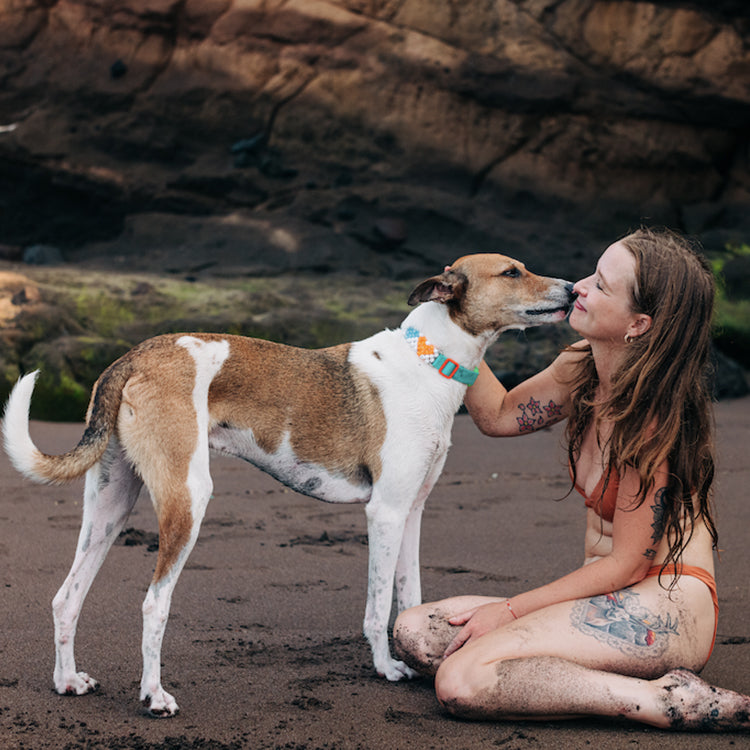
<point x="690" y="704"/>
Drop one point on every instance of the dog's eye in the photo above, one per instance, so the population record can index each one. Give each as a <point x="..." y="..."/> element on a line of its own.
<point x="512" y="273"/>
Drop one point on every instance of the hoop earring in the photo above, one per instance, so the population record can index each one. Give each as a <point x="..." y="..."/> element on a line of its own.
<point x="628" y="338"/>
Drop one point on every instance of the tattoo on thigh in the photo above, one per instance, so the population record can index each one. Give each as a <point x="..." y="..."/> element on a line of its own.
<point x="621" y="622"/>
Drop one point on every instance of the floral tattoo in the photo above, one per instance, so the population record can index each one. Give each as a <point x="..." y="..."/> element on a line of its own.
<point x="535" y="415"/>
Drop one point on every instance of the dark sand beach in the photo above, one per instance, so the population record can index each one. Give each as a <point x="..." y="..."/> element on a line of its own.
<point x="264" y="647"/>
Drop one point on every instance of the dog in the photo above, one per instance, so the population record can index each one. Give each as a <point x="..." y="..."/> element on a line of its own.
<point x="366" y="422"/>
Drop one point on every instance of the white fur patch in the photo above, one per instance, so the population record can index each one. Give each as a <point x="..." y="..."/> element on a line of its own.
<point x="284" y="465"/>
<point x="18" y="443"/>
<point x="209" y="356"/>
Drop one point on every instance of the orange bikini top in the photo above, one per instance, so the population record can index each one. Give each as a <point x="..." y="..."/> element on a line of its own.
<point x="603" y="500"/>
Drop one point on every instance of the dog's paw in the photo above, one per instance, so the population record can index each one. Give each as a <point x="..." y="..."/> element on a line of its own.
<point x="160" y="705"/>
<point x="395" y="670"/>
<point x="77" y="684"/>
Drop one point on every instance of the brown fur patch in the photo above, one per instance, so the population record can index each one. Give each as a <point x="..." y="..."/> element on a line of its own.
<point x="488" y="299"/>
<point x="332" y="412"/>
<point x="157" y="427"/>
<point x="175" y="526"/>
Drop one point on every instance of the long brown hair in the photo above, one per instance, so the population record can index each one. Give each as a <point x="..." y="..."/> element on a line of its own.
<point x="660" y="402"/>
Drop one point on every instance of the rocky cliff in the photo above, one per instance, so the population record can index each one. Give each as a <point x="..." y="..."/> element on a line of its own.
<point x="232" y="138"/>
<point x="378" y="135"/>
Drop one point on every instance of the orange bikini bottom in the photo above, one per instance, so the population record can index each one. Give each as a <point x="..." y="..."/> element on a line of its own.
<point x="701" y="575"/>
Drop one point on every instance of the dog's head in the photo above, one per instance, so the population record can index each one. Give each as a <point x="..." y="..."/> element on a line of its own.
<point x="492" y="293"/>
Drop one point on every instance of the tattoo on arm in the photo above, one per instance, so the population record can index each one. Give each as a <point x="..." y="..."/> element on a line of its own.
<point x="535" y="415"/>
<point x="659" y="522"/>
<point x="621" y="622"/>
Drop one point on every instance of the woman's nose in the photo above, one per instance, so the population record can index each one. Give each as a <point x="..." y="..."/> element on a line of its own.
<point x="580" y="287"/>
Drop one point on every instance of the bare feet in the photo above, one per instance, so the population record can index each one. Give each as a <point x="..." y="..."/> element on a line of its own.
<point x="690" y="704"/>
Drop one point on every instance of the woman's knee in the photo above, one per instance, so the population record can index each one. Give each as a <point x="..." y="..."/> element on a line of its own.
<point x="409" y="619"/>
<point x="420" y="636"/>
<point x="456" y="687"/>
<point x="408" y="623"/>
<point x="409" y="641"/>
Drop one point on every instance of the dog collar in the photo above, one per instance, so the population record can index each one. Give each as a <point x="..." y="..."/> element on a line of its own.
<point x="448" y="368"/>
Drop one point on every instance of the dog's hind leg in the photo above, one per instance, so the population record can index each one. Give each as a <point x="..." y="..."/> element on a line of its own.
<point x="181" y="508"/>
<point x="176" y="468"/>
<point x="110" y="492"/>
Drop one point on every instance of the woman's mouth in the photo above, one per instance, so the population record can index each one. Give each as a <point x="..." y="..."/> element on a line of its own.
<point x="578" y="306"/>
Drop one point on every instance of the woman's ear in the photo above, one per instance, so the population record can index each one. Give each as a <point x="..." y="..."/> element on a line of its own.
<point x="640" y="325"/>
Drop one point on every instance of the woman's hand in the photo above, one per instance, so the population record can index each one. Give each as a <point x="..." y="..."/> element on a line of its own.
<point x="476" y="622"/>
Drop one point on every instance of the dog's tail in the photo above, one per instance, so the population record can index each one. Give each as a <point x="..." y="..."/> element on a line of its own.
<point x="100" y="424"/>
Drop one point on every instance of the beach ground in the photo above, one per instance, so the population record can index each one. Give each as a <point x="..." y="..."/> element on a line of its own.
<point x="264" y="647"/>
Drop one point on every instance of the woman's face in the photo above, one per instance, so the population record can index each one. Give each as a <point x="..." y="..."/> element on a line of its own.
<point x="603" y="309"/>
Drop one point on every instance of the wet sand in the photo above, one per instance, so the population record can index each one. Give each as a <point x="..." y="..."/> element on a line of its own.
<point x="264" y="647"/>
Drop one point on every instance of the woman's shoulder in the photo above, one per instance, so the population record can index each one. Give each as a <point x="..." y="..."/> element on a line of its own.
<point x="565" y="365"/>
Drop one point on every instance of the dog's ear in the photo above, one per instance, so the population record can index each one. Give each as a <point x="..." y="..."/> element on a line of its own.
<point x="447" y="287"/>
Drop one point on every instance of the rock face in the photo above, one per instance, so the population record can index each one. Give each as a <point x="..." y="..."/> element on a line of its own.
<point x="213" y="136"/>
<point x="385" y="138"/>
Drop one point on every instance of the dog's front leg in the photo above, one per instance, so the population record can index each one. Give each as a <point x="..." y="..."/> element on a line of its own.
<point x="385" y="526"/>
<point x="408" y="578"/>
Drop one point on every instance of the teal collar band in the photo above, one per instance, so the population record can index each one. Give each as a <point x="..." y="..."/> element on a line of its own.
<point x="448" y="368"/>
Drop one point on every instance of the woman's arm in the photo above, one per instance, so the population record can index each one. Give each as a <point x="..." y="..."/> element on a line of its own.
<point x="636" y="534"/>
<point x="540" y="401"/>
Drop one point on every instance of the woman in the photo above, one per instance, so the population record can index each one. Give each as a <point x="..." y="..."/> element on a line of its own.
<point x="617" y="636"/>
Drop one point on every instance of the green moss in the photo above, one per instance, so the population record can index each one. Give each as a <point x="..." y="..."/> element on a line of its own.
<point x="731" y="315"/>
<point x="58" y="396"/>
<point x="9" y="374"/>
<point x="103" y="311"/>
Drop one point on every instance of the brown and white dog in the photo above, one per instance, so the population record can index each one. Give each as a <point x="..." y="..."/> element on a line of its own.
<point x="365" y="422"/>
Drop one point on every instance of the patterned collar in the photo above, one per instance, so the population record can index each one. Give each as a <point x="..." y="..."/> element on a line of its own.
<point x="448" y="368"/>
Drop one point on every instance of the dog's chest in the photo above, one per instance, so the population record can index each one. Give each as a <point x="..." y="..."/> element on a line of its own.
<point x="415" y="398"/>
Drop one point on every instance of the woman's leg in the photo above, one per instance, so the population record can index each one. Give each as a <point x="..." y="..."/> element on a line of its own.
<point x="545" y="687"/>
<point x="593" y="656"/>
<point x="421" y="634"/>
